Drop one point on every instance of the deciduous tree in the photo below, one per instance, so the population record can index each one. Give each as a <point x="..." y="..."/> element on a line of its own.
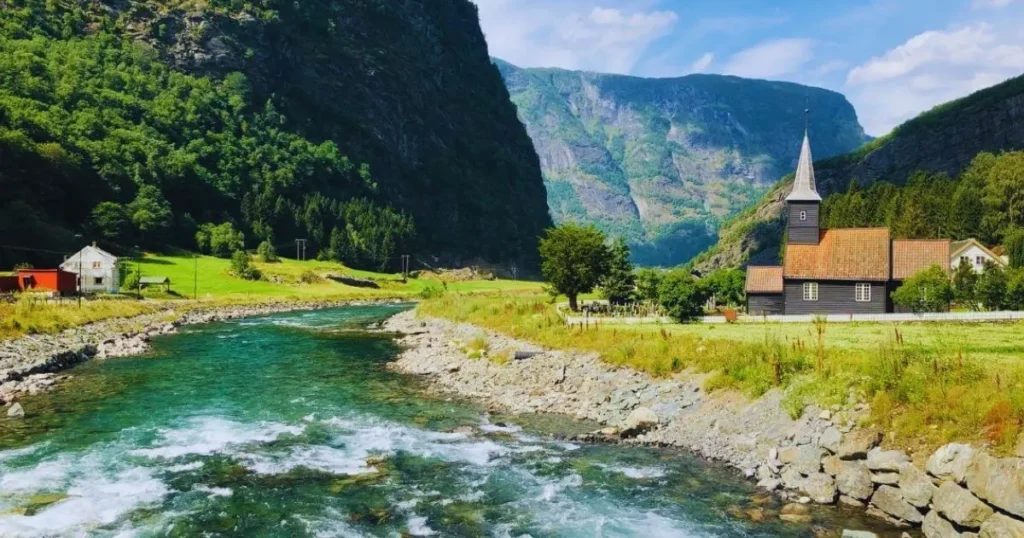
<point x="574" y="258"/>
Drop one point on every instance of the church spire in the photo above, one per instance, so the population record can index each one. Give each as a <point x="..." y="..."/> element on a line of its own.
<point x="804" y="189"/>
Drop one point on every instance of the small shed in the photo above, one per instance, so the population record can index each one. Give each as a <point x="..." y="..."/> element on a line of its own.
<point x="47" y="280"/>
<point x="147" y="281"/>
<point x="765" y="291"/>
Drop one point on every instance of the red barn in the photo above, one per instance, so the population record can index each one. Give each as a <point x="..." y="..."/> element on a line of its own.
<point x="47" y="279"/>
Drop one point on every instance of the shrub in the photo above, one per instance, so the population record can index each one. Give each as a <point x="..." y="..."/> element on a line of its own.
<point x="310" y="276"/>
<point x="220" y="240"/>
<point x="1015" y="290"/>
<point x="130" y="281"/>
<point x="1015" y="248"/>
<point x="992" y="287"/>
<point x="927" y="291"/>
<point x="965" y="286"/>
<point x="267" y="253"/>
<point x="647" y="283"/>
<point x="242" y="267"/>
<point x="681" y="296"/>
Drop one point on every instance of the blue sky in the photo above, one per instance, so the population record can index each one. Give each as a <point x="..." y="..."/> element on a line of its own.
<point x="892" y="59"/>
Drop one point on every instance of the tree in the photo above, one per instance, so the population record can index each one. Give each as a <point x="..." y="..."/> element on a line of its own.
<point x="220" y="240"/>
<point x="727" y="286"/>
<point x="992" y="287"/>
<point x="1014" y="244"/>
<point x="130" y="281"/>
<point x="242" y="267"/>
<point x="647" y="283"/>
<point x="266" y="252"/>
<point x="618" y="284"/>
<point x="574" y="258"/>
<point x="927" y="291"/>
<point x="150" y="211"/>
<point x="1004" y="190"/>
<point x="681" y="296"/>
<point x="1015" y="290"/>
<point x="965" y="286"/>
<point x="112" y="223"/>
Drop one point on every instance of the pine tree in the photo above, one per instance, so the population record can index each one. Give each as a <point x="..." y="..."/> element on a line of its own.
<point x="618" y="286"/>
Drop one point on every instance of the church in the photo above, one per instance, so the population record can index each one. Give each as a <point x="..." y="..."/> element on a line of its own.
<point x="838" y="271"/>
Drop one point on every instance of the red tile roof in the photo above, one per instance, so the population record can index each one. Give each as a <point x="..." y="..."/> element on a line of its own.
<point x="910" y="256"/>
<point x="764" y="279"/>
<point x="841" y="254"/>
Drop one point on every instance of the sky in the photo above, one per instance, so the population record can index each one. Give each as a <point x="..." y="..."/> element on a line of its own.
<point x="893" y="59"/>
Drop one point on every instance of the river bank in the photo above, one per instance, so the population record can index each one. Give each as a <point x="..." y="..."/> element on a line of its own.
<point x="822" y="456"/>
<point x="35" y="363"/>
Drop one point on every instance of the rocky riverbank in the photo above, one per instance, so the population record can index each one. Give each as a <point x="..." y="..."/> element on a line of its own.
<point x="34" y="363"/>
<point x="822" y="456"/>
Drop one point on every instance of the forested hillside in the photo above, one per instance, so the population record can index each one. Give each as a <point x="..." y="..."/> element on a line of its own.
<point x="940" y="144"/>
<point x="662" y="162"/>
<point x="370" y="127"/>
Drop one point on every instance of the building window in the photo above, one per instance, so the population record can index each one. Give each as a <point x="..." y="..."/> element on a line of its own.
<point x="863" y="293"/>
<point x="803" y="215"/>
<point x="965" y="259"/>
<point x="98" y="281"/>
<point x="95" y="265"/>
<point x="979" y="261"/>
<point x="810" y="291"/>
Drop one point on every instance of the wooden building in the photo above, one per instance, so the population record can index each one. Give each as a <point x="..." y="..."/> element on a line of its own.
<point x="47" y="280"/>
<point x="839" y="271"/>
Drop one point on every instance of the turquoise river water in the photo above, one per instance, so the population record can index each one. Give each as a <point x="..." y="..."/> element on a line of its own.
<point x="290" y="425"/>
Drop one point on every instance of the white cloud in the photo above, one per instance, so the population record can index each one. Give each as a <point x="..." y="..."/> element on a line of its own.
<point x="931" y="68"/>
<point x="571" y="35"/>
<point x="771" y="59"/>
<point x="982" y="4"/>
<point x="703" y="63"/>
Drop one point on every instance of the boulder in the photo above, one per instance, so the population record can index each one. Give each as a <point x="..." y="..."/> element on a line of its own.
<point x="640" y="420"/>
<point x="820" y="487"/>
<point x="951" y="462"/>
<point x="856" y="444"/>
<point x="915" y="485"/>
<point x="850" y="501"/>
<point x="1000" y="526"/>
<point x="795" y="513"/>
<point x="806" y="458"/>
<point x="1000" y="481"/>
<point x="959" y="506"/>
<point x="830" y="440"/>
<point x="832" y="465"/>
<point x="934" y="526"/>
<point x="791" y="478"/>
<point x="888" y="500"/>
<point x="847" y="533"/>
<point x="885" y="478"/>
<point x="886" y="460"/>
<point x="15" y="411"/>
<point x="854" y="480"/>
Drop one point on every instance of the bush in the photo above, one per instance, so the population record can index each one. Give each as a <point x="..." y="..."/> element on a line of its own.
<point x="267" y="253"/>
<point x="682" y="297"/>
<point x="965" y="286"/>
<point x="927" y="291"/>
<point x="1015" y="248"/>
<point x="727" y="286"/>
<point x="647" y="283"/>
<point x="130" y="281"/>
<point x="220" y="240"/>
<point x="310" y="277"/>
<point x="242" y="267"/>
<point x="1015" y="290"/>
<point x="992" y="287"/>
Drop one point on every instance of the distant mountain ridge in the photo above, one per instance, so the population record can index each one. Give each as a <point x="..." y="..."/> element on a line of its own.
<point x="662" y="162"/>
<point x="943" y="140"/>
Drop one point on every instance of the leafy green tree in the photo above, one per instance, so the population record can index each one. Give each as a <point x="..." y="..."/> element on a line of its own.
<point x="965" y="286"/>
<point x="1014" y="244"/>
<point x="150" y="211"/>
<point x="992" y="287"/>
<point x="574" y="259"/>
<point x="1004" y="190"/>
<point x="1015" y="289"/>
<point x="242" y="267"/>
<point x="681" y="296"/>
<point x="266" y="252"/>
<point x="618" y="285"/>
<point x="112" y="223"/>
<point x="927" y="291"/>
<point x="727" y="286"/>
<point x="648" y="281"/>
<point x="220" y="240"/>
<point x="130" y="281"/>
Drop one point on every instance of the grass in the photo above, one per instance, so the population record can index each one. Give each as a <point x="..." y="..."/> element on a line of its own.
<point x="928" y="384"/>
<point x="32" y="316"/>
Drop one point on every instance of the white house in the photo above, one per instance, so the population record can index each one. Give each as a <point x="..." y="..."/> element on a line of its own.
<point x="97" y="267"/>
<point x="972" y="252"/>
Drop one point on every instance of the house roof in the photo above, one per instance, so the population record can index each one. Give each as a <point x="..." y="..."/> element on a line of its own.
<point x="764" y="280"/>
<point x="841" y="254"/>
<point x="958" y="247"/>
<point x="804" y="189"/>
<point x="910" y="256"/>
<point x="88" y="249"/>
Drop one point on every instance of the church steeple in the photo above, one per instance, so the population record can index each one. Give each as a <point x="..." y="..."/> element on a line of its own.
<point x="804" y="202"/>
<point x="804" y="189"/>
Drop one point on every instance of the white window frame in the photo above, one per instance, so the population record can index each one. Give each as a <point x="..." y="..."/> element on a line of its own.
<point x="862" y="292"/>
<point x="979" y="261"/>
<point x="803" y="215"/>
<point x="810" y="291"/>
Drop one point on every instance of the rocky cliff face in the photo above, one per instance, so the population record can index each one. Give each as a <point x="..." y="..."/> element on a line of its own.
<point x="663" y="161"/>
<point x="943" y="140"/>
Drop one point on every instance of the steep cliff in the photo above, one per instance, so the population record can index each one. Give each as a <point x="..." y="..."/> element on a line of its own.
<point x="663" y="161"/>
<point x="943" y="140"/>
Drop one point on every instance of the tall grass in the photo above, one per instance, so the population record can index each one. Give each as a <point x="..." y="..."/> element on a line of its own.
<point x="32" y="315"/>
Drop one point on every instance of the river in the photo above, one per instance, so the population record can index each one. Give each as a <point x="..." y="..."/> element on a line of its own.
<point x="290" y="425"/>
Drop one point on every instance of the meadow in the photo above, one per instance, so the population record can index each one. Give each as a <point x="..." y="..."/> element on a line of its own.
<point x="927" y="384"/>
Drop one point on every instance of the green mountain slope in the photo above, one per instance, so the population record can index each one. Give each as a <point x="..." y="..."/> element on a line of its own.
<point x="264" y="114"/>
<point x="663" y="161"/>
<point x="943" y="140"/>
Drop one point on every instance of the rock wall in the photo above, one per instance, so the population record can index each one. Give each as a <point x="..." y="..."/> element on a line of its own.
<point x="820" y="457"/>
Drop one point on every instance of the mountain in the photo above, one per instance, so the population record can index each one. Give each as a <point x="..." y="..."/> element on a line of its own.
<point x="662" y="162"/>
<point x="371" y="128"/>
<point x="942" y="142"/>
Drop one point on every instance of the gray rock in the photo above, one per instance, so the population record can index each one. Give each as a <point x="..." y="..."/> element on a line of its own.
<point x="805" y="458"/>
<point x="831" y="465"/>
<point x="934" y="526"/>
<point x="15" y="411"/>
<point x="1000" y="481"/>
<point x="820" y="487"/>
<point x="791" y="478"/>
<point x="847" y="533"/>
<point x="856" y="444"/>
<point x="950" y="462"/>
<point x="885" y="478"/>
<point x="959" y="506"/>
<point x="850" y="501"/>
<point x="830" y="440"/>
<point x="1000" y="526"/>
<point x="915" y="485"/>
<point x="889" y="501"/>
<point x="795" y="513"/>
<point x="886" y="460"/>
<point x="854" y="480"/>
<point x="640" y="420"/>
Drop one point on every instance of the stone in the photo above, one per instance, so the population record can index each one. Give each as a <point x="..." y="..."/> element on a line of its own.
<point x="820" y="487"/>
<point x="934" y="526"/>
<point x="857" y="443"/>
<point x="770" y="484"/>
<point x="773" y="453"/>
<point x="847" y="533"/>
<point x="854" y="480"/>
<point x="795" y="513"/>
<point x="1000" y="526"/>
<point x="886" y="460"/>
<point x="831" y="465"/>
<point x="889" y="501"/>
<point x="850" y="501"/>
<point x="1000" y="481"/>
<point x="791" y="478"/>
<point x="609" y="431"/>
<point x="640" y="420"/>
<point x="805" y="458"/>
<point x="959" y="506"/>
<point x="950" y="462"/>
<point x="825" y="415"/>
<point x="915" y="485"/>
<point x="830" y="440"/>
<point x="885" y="478"/>
<point x="16" y="411"/>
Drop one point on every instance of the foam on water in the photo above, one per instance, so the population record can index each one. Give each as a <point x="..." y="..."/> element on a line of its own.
<point x="209" y="435"/>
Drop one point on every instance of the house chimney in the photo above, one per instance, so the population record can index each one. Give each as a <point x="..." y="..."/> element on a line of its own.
<point x="93" y="244"/>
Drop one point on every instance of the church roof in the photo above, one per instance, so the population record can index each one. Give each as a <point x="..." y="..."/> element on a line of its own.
<point x="804" y="189"/>
<point x="841" y="254"/>
<point x="764" y="279"/>
<point x="911" y="256"/>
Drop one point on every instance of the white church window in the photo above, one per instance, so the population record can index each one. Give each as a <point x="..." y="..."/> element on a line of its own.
<point x="803" y="215"/>
<point x="810" y="291"/>
<point x="863" y="293"/>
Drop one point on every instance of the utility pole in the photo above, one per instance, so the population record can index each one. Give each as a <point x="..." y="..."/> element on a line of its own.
<point x="195" y="276"/>
<point x="80" y="287"/>
<point x="515" y="271"/>
<point x="138" y="274"/>
<point x="405" y="267"/>
<point x="300" y="249"/>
